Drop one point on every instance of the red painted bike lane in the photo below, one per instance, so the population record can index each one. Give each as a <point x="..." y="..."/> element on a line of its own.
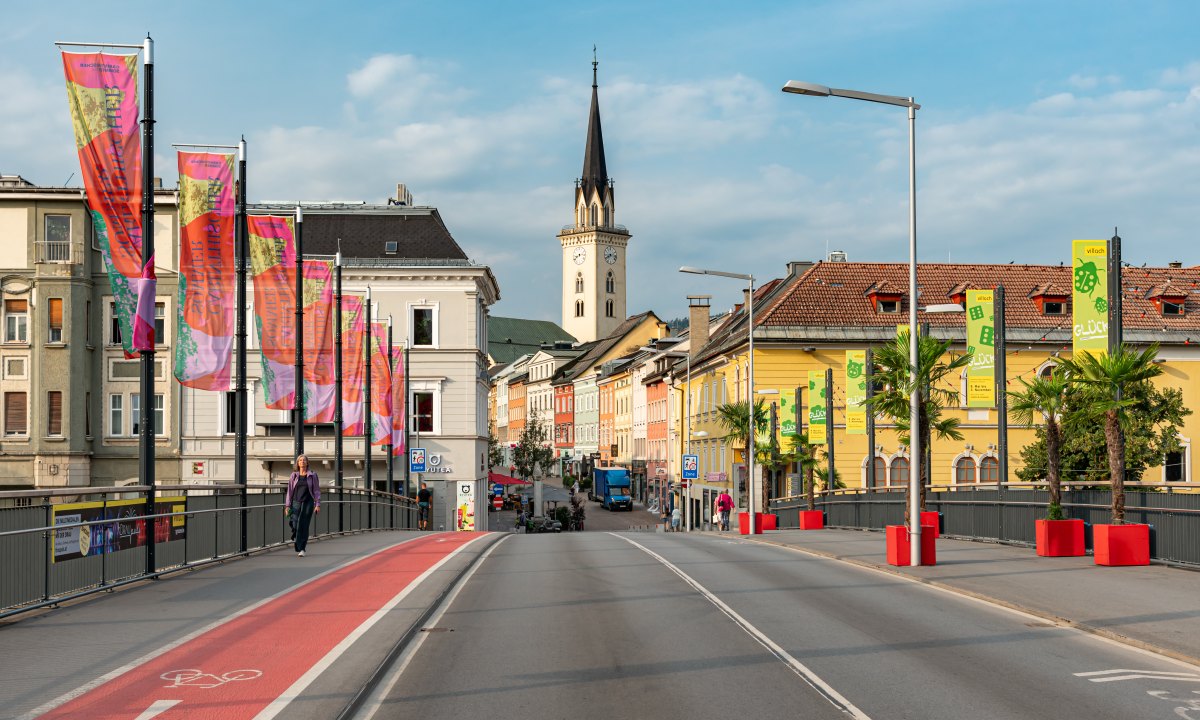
<point x="263" y="659"/>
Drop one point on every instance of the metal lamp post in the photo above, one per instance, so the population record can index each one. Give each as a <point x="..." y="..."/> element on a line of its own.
<point x="753" y="529"/>
<point x="914" y="502"/>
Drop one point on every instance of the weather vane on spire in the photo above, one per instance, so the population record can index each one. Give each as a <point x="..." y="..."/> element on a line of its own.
<point x="595" y="62"/>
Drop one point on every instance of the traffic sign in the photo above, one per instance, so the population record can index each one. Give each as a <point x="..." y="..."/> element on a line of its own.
<point x="685" y="483"/>
<point x="497" y="502"/>
<point x="497" y="489"/>
<point x="416" y="460"/>
<point x="691" y="467"/>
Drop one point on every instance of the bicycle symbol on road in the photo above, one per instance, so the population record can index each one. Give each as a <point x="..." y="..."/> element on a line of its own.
<point x="194" y="678"/>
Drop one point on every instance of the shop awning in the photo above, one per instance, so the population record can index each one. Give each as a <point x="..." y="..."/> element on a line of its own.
<point x="498" y="479"/>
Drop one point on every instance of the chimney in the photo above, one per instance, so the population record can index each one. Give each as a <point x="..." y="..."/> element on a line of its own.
<point x="796" y="268"/>
<point x="698" y="319"/>
<point x="403" y="196"/>
<point x="1175" y="265"/>
<point x="158" y="183"/>
<point x="745" y="299"/>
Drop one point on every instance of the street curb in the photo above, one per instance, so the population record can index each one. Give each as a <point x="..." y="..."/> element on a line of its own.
<point x="1050" y="617"/>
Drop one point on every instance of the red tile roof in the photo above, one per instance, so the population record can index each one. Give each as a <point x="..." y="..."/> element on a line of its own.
<point x="834" y="294"/>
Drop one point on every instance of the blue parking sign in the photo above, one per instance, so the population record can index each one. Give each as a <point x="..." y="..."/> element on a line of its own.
<point x="691" y="467"/>
<point x="416" y="459"/>
<point x="497" y="489"/>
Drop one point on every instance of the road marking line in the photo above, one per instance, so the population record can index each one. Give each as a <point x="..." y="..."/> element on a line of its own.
<point x="814" y="681"/>
<point x="158" y="707"/>
<point x="1099" y="676"/>
<point x="168" y="647"/>
<point x="1111" y="672"/>
<point x="278" y="704"/>
<point x="381" y="693"/>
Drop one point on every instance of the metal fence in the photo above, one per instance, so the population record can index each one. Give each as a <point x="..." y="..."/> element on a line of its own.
<point x="1006" y="512"/>
<point x="83" y="540"/>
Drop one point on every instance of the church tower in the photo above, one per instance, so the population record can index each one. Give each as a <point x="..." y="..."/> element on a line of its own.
<point x="594" y="245"/>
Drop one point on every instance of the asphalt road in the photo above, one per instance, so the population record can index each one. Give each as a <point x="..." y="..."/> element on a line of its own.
<point x="601" y="625"/>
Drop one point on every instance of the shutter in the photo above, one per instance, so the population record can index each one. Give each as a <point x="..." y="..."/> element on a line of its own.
<point x="54" y="414"/>
<point x="56" y="312"/>
<point x="16" y="306"/>
<point x="15" y="413"/>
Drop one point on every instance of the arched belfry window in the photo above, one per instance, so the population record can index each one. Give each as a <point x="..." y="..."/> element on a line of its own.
<point x="607" y="216"/>
<point x="578" y="308"/>
<point x="582" y="215"/>
<point x="608" y="308"/>
<point x="594" y="213"/>
<point x="609" y="283"/>
<point x="578" y="282"/>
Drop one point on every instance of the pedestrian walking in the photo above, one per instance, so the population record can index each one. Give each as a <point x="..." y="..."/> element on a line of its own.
<point x="724" y="507"/>
<point x="676" y="518"/>
<point x="303" y="499"/>
<point x="424" y="502"/>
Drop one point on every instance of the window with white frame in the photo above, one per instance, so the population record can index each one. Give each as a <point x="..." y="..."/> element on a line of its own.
<point x="423" y="326"/>
<point x="114" y="325"/>
<point x="16" y="413"/>
<point x="116" y="407"/>
<point x="16" y="320"/>
<point x="135" y="415"/>
<point x="56" y="247"/>
<point x="160" y="323"/>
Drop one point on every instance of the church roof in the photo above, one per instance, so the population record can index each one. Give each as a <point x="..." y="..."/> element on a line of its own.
<point x="510" y="338"/>
<point x="595" y="171"/>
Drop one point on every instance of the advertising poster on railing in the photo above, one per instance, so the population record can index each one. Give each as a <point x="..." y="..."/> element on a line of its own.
<point x="816" y="407"/>
<point x="981" y="342"/>
<point x="1089" y="299"/>
<point x="126" y="530"/>
<point x="856" y="392"/>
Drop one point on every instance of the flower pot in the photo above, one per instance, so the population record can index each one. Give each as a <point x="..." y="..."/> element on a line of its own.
<point x="1121" y="544"/>
<point x="1060" y="538"/>
<point x="898" y="545"/>
<point x="770" y="521"/>
<point x="812" y="520"/>
<point x="930" y="517"/>
<point x="744" y="523"/>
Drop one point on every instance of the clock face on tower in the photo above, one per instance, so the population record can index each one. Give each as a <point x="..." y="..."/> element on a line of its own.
<point x="610" y="255"/>
<point x="580" y="255"/>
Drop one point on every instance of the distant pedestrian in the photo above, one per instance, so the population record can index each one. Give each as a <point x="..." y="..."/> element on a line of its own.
<point x="676" y="518"/>
<point x="424" y="502"/>
<point x="724" y="507"/>
<point x="303" y="499"/>
<point x="521" y="519"/>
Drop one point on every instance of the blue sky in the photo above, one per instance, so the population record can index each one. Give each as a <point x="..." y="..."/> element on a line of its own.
<point x="1041" y="122"/>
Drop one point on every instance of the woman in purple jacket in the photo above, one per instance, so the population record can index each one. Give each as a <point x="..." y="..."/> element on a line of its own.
<point x="303" y="499"/>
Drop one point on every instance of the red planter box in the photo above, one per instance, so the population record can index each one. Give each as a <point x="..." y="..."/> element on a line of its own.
<point x="770" y="521"/>
<point x="812" y="519"/>
<point x="744" y="523"/>
<point x="1121" y="544"/>
<point x="898" y="547"/>
<point x="1060" y="538"/>
<point x="929" y="517"/>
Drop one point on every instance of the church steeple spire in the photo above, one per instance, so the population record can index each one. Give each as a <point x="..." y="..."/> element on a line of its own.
<point x="595" y="172"/>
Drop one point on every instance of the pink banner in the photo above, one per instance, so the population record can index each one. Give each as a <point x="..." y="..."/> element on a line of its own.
<point x="381" y="387"/>
<point x="204" y="341"/>
<point x="353" y="364"/>
<point x="273" y="272"/>
<point x="102" y="91"/>
<point x="398" y="405"/>
<point x="319" y="381"/>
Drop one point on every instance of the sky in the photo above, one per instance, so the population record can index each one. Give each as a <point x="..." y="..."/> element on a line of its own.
<point x="1041" y="122"/>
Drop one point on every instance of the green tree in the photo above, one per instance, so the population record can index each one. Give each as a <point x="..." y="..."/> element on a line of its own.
<point x="1113" y="377"/>
<point x="1045" y="397"/>
<point x="495" y="452"/>
<point x="935" y="376"/>
<point x="735" y="418"/>
<point x="532" y="451"/>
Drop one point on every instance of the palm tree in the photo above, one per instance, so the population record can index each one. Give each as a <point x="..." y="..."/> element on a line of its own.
<point x="734" y="417"/>
<point x="1045" y="397"/>
<point x="1108" y="374"/>
<point x="892" y="374"/>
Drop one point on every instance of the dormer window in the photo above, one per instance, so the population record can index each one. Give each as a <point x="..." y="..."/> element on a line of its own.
<point x="887" y="306"/>
<point x="885" y="297"/>
<point x="1172" y="308"/>
<point x="1169" y="299"/>
<point x="1050" y="299"/>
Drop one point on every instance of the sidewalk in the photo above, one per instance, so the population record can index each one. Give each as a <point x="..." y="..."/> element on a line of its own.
<point x="1153" y="607"/>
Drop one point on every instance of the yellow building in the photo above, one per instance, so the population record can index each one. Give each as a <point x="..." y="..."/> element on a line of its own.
<point x="809" y="319"/>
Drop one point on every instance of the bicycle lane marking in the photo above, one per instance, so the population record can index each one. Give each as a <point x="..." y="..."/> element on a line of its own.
<point x="263" y="659"/>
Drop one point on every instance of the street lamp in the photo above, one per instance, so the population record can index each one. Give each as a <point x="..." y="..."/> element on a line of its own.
<point x="749" y="382"/>
<point x="914" y="503"/>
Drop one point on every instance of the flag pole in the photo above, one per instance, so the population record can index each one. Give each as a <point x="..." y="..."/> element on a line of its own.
<point x="368" y="420"/>
<point x="146" y="411"/>
<point x="298" y="404"/>
<point x="338" y="419"/>
<point x="391" y="482"/>
<point x="242" y="240"/>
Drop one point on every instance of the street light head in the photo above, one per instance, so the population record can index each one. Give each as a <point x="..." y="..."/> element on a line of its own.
<point x="943" y="308"/>
<point x="798" y="87"/>
<point x="768" y="392"/>
<point x="700" y="434"/>
<point x="693" y="270"/>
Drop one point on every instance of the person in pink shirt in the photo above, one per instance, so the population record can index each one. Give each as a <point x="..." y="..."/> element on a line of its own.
<point x="724" y="506"/>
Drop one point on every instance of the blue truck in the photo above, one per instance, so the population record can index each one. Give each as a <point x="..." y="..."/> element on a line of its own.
<point x="610" y="487"/>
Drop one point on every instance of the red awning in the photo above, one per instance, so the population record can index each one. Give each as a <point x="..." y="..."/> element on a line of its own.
<point x="498" y="479"/>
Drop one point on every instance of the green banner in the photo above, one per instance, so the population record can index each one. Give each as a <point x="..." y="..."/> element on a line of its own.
<point x="981" y="341"/>
<point x="1089" y="300"/>
<point x="816" y="407"/>
<point x="856" y="392"/>
<point x="787" y="416"/>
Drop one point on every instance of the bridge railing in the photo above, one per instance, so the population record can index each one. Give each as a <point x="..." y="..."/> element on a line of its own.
<point x="60" y="544"/>
<point x="1006" y="512"/>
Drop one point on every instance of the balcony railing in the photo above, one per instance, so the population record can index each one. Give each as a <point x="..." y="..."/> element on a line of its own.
<point x="576" y="228"/>
<point x="54" y="251"/>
